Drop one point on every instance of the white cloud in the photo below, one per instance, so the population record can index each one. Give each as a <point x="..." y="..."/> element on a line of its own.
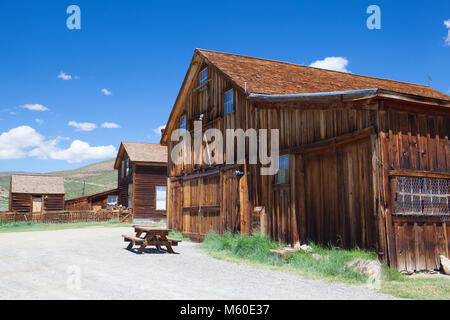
<point x="24" y="141"/>
<point x="447" y="38"/>
<point x="110" y="125"/>
<point x="34" y="107"/>
<point x="13" y="143"/>
<point x="332" y="63"/>
<point x="64" y="76"/>
<point x="39" y="121"/>
<point x="158" y="130"/>
<point x="80" y="151"/>
<point x="82" y="126"/>
<point x="106" y="92"/>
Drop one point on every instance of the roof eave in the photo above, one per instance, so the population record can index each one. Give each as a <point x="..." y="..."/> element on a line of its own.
<point x="353" y="95"/>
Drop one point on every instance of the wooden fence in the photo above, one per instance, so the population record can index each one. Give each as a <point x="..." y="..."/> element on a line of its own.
<point x="67" y="216"/>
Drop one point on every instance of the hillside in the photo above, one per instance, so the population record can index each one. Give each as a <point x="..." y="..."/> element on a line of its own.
<point x="98" y="176"/>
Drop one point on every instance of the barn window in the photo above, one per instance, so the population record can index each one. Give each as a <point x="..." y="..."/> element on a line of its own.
<point x="282" y="175"/>
<point x="130" y="195"/>
<point x="183" y="122"/>
<point x="112" y="201"/>
<point x="422" y="196"/>
<point x="161" y="198"/>
<point x="228" y="101"/>
<point x="203" y="78"/>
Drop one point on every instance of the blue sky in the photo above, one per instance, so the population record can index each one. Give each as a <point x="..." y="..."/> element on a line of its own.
<point x="140" y="50"/>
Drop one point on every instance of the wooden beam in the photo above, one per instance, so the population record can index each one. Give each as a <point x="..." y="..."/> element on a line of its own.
<point x="420" y="174"/>
<point x="334" y="142"/>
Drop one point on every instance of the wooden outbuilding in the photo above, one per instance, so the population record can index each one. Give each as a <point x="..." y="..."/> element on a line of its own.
<point x="363" y="161"/>
<point x="100" y="200"/>
<point x="142" y="178"/>
<point x="36" y="193"/>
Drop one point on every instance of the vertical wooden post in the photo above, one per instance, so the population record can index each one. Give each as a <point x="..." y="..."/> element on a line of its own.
<point x="292" y="197"/>
<point x="245" y="212"/>
<point x="263" y="222"/>
<point x="299" y="197"/>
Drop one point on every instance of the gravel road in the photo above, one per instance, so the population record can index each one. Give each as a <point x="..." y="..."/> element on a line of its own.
<point x="93" y="263"/>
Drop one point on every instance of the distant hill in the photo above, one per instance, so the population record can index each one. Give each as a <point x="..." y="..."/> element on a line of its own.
<point x="98" y="176"/>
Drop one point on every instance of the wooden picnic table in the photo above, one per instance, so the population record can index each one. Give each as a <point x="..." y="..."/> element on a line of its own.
<point x="150" y="236"/>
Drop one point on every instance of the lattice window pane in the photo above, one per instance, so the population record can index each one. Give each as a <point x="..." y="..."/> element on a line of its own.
<point x="422" y="196"/>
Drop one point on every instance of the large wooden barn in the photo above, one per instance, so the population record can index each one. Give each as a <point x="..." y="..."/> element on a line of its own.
<point x="363" y="162"/>
<point x="36" y="193"/>
<point x="106" y="199"/>
<point x="142" y="178"/>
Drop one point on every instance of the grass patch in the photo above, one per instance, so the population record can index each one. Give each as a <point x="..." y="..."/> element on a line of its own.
<point x="178" y="235"/>
<point x="331" y="267"/>
<point x="32" y="226"/>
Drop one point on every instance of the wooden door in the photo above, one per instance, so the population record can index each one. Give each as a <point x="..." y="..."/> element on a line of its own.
<point x="37" y="204"/>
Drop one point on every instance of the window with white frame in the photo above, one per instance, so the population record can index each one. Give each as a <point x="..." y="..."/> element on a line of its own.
<point x="282" y="175"/>
<point x="203" y="78"/>
<point x="228" y="101"/>
<point x="161" y="198"/>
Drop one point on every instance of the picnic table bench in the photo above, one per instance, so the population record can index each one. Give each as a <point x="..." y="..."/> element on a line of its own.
<point x="150" y="236"/>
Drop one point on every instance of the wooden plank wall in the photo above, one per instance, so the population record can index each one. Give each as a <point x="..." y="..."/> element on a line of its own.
<point x="24" y="202"/>
<point x="146" y="178"/>
<point x="416" y="242"/>
<point x="338" y="196"/>
<point x="21" y="202"/>
<point x="54" y="202"/>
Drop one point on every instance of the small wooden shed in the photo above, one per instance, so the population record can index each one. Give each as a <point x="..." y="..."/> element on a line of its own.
<point x="100" y="200"/>
<point x="36" y="193"/>
<point x="142" y="178"/>
<point x="363" y="161"/>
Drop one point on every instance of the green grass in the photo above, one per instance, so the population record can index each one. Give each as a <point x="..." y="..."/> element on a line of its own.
<point x="177" y="235"/>
<point x="331" y="268"/>
<point x="32" y="226"/>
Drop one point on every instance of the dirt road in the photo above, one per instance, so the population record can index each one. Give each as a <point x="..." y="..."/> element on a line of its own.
<point x="93" y="264"/>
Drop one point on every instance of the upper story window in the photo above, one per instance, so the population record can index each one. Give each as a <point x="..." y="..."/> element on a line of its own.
<point x="122" y="173"/>
<point x="228" y="101"/>
<point x="128" y="167"/>
<point x="282" y="175"/>
<point x="183" y="122"/>
<point x="203" y="78"/>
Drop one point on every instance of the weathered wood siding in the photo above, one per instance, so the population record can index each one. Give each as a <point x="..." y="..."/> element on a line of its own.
<point x="146" y="179"/>
<point x="338" y="192"/>
<point x="24" y="202"/>
<point x="415" y="241"/>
